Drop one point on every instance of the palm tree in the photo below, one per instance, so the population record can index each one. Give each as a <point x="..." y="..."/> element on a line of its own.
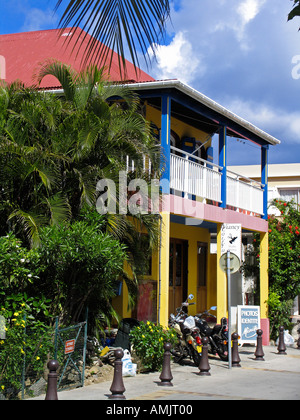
<point x="101" y="133"/>
<point x="28" y="162"/>
<point x="54" y="149"/>
<point x="138" y="22"/>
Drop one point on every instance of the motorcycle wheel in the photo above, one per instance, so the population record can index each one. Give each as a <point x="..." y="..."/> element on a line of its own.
<point x="177" y="353"/>
<point x="196" y="356"/>
<point x="223" y="352"/>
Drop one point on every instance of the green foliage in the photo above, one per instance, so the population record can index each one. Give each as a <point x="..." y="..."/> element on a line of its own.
<point x="81" y="267"/>
<point x="119" y="26"/>
<point x="27" y="344"/>
<point x="54" y="150"/>
<point x="148" y="343"/>
<point x="295" y="11"/>
<point x="19" y="266"/>
<point x="284" y="251"/>
<point x="279" y="313"/>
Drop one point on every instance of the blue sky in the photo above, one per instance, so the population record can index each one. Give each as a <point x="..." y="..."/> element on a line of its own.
<point x="241" y="53"/>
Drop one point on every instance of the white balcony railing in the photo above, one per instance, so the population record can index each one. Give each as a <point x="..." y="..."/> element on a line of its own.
<point x="194" y="176"/>
<point x="244" y="193"/>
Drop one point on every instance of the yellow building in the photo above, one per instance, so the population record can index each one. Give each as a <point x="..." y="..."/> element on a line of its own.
<point x="199" y="196"/>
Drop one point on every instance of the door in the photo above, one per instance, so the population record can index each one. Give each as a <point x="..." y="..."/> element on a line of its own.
<point x="177" y="273"/>
<point x="202" y="274"/>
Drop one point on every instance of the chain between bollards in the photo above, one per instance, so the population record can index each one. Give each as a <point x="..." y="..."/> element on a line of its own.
<point x="51" y="394"/>
<point x="117" y="387"/>
<point x="166" y="374"/>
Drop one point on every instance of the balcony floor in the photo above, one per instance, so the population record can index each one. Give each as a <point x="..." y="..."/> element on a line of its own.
<point x="201" y="212"/>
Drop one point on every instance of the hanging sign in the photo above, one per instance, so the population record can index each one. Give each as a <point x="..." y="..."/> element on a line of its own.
<point x="248" y="323"/>
<point x="69" y="346"/>
<point x="231" y="239"/>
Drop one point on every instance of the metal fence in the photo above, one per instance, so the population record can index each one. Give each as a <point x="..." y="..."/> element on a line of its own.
<point x="70" y="352"/>
<point x="26" y="350"/>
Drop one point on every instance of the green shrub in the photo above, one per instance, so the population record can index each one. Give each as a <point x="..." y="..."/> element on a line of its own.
<point x="28" y="342"/>
<point x="148" y="343"/>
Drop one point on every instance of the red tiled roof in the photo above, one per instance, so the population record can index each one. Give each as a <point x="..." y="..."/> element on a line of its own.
<point x="22" y="53"/>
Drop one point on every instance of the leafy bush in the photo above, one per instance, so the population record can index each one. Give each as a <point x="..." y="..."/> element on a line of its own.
<point x="148" y="343"/>
<point x="19" y="267"/>
<point x="28" y="342"/>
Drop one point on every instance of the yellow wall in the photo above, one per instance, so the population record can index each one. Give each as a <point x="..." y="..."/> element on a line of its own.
<point x="182" y="130"/>
<point x="193" y="235"/>
<point x="264" y="277"/>
<point x="163" y="287"/>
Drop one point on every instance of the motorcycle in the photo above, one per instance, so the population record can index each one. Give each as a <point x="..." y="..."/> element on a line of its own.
<point x="189" y="340"/>
<point x="217" y="334"/>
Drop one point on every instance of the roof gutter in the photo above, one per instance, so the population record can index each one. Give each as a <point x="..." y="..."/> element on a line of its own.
<point x="205" y="100"/>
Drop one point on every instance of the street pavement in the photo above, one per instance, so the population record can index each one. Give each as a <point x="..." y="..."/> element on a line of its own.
<point x="275" y="378"/>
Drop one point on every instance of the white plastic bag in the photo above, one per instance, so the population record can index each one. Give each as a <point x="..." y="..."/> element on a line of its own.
<point x="128" y="368"/>
<point x="288" y="339"/>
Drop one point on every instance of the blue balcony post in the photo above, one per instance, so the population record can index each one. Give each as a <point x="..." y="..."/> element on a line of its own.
<point x="264" y="178"/>
<point x="223" y="163"/>
<point x="165" y="144"/>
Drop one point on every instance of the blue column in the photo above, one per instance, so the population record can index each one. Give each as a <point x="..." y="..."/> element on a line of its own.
<point x="165" y="144"/>
<point x="264" y="178"/>
<point x="223" y="163"/>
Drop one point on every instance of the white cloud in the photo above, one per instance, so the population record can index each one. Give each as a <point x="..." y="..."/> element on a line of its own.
<point x="239" y="19"/>
<point x="270" y="119"/>
<point x="249" y="9"/>
<point x="177" y="60"/>
<point x="37" y="19"/>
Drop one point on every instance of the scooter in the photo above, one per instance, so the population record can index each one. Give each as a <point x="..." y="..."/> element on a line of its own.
<point x="216" y="334"/>
<point x="189" y="340"/>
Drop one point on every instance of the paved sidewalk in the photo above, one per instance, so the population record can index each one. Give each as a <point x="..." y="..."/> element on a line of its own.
<point x="276" y="378"/>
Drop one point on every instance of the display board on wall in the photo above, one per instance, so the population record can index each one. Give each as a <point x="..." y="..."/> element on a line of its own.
<point x="248" y="318"/>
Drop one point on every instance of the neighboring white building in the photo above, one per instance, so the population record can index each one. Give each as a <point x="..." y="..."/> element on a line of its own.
<point x="284" y="180"/>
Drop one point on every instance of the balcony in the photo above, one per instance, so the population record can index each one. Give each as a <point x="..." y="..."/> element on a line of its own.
<point x="198" y="179"/>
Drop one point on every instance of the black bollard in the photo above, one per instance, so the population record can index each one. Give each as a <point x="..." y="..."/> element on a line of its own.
<point x="281" y="344"/>
<point x="117" y="387"/>
<point x="298" y="331"/>
<point x="235" y="350"/>
<point x="204" y="365"/>
<point x="51" y="394"/>
<point x="259" y="353"/>
<point x="166" y="375"/>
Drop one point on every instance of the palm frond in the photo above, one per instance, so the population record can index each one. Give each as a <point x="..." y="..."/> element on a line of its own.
<point x="31" y="223"/>
<point x="59" y="208"/>
<point x="116" y="24"/>
<point x="63" y="73"/>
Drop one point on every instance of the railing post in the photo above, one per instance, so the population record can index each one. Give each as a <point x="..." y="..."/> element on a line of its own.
<point x="264" y="178"/>
<point x="165" y="143"/>
<point x="223" y="163"/>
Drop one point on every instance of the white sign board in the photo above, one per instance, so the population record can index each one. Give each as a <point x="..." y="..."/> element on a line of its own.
<point x="248" y="323"/>
<point x="231" y="239"/>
